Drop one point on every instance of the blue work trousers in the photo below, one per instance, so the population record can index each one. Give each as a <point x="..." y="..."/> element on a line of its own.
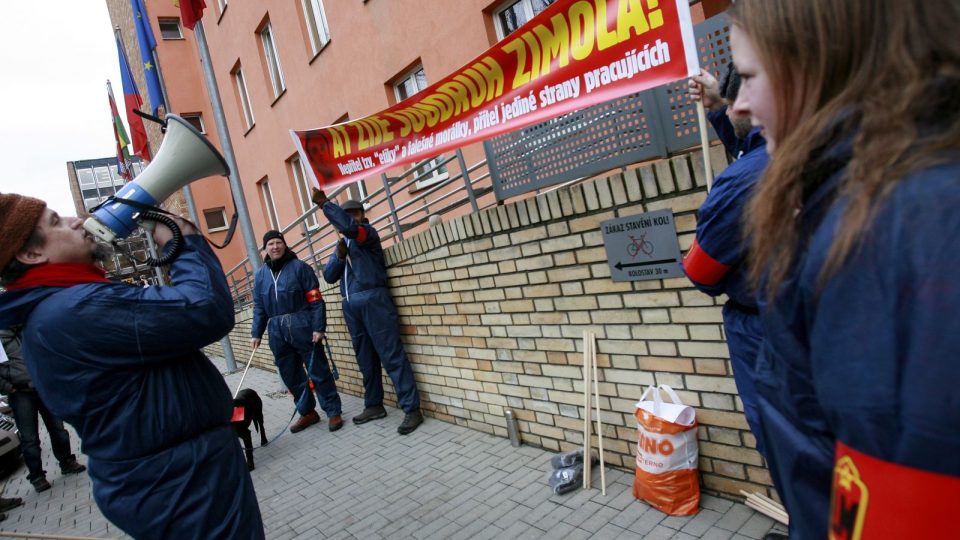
<point x="375" y="330"/>
<point x="290" y="341"/>
<point x="744" y="337"/>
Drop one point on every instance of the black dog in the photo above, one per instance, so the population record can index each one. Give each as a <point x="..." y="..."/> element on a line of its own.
<point x="252" y="411"/>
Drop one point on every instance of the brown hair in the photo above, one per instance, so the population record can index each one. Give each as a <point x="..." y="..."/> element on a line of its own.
<point x="15" y="269"/>
<point x="884" y="73"/>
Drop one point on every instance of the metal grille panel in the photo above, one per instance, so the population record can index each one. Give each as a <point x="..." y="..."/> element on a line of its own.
<point x="622" y="131"/>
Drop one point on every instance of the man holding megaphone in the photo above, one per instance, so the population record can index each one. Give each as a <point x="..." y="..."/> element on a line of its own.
<point x="152" y="411"/>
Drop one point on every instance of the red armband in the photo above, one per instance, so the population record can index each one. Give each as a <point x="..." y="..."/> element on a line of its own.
<point x="361" y="234"/>
<point x="314" y="296"/>
<point x="702" y="268"/>
<point x="872" y="498"/>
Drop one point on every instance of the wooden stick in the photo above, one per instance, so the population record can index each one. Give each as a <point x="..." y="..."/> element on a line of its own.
<point x="705" y="145"/>
<point x="244" y="376"/>
<point x="586" y="413"/>
<point x="596" y="398"/>
<point x="766" y="506"/>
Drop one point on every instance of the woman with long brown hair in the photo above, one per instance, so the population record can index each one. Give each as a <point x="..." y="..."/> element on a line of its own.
<point x="855" y="232"/>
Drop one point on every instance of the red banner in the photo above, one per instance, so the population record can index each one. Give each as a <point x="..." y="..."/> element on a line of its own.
<point x="574" y="54"/>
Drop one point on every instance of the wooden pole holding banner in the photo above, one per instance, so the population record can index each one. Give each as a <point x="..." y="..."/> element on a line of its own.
<point x="596" y="397"/>
<point x="705" y="145"/>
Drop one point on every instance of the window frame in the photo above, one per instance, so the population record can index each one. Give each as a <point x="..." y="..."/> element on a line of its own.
<point x="527" y="7"/>
<point x="223" y="213"/>
<point x="168" y="20"/>
<point x="266" y="198"/>
<point x="199" y="117"/>
<point x="302" y="182"/>
<point x="268" y="44"/>
<point x="437" y="175"/>
<point x="246" y="108"/>
<point x="317" y="27"/>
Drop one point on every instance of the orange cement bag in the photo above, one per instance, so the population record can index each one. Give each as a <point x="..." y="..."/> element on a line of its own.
<point x="667" y="456"/>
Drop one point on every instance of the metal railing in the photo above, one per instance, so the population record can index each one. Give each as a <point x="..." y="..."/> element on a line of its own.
<point x="392" y="216"/>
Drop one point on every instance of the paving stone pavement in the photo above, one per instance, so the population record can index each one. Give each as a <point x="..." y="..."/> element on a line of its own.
<point x="441" y="482"/>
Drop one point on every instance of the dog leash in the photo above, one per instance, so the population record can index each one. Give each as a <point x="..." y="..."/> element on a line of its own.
<point x="249" y="361"/>
<point x="296" y="407"/>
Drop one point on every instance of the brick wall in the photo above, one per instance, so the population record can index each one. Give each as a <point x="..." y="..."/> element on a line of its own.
<point x="493" y="307"/>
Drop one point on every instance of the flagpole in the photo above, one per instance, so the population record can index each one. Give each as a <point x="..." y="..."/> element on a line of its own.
<point x="240" y="201"/>
<point x="231" y="363"/>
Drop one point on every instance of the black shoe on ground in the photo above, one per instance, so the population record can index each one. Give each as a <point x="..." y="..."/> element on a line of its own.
<point x="70" y="467"/>
<point x="370" y="413"/>
<point x="305" y="421"/>
<point x="40" y="484"/>
<point x="410" y="422"/>
<point x="773" y="535"/>
<point x="9" y="504"/>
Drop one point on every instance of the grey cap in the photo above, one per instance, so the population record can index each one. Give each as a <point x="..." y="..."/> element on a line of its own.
<point x="352" y="205"/>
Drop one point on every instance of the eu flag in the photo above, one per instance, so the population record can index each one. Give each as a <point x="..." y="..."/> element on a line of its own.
<point x="147" y="44"/>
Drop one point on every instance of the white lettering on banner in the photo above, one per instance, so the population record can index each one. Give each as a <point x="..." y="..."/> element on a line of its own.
<point x="486" y="118"/>
<point x="633" y="62"/>
<point x="520" y="106"/>
<point x="560" y="92"/>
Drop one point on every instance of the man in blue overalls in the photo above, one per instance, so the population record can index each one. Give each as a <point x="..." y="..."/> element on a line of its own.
<point x="716" y="261"/>
<point x="287" y="301"/>
<point x="371" y="317"/>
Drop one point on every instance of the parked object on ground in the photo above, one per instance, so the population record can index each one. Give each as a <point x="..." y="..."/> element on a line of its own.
<point x="566" y="480"/>
<point x="667" y="454"/>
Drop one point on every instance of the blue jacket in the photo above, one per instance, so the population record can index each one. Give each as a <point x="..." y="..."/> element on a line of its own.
<point x="365" y="268"/>
<point x="715" y="262"/>
<point x="869" y="357"/>
<point x="285" y="292"/>
<point x="122" y="365"/>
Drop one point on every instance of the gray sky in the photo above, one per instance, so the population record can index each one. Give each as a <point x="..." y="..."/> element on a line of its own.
<point x="55" y="59"/>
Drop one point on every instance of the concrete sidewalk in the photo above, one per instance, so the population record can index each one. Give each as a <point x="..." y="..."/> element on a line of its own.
<point x="442" y="481"/>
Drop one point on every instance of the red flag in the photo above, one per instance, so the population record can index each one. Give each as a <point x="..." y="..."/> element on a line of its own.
<point x="131" y="98"/>
<point x="191" y="11"/>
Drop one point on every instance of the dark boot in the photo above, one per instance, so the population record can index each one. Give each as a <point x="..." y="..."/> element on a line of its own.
<point x="40" y="484"/>
<point x="305" y="421"/>
<point x="370" y="413"/>
<point x="410" y="422"/>
<point x="335" y="423"/>
<point x="9" y="504"/>
<point x="72" y="467"/>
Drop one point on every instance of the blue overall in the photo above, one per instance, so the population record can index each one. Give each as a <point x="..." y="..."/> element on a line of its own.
<point x="868" y="357"/>
<point x="369" y="311"/>
<point x="716" y="262"/>
<point x="281" y="306"/>
<point x="122" y="365"/>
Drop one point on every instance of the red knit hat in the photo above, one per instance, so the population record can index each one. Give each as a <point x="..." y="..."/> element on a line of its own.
<point x="18" y="219"/>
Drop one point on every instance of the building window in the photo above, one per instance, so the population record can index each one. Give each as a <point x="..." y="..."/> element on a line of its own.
<point x="514" y="14"/>
<point x="244" y="96"/>
<point x="222" y="4"/>
<point x="304" y="189"/>
<point x="195" y="120"/>
<point x="273" y="60"/>
<point x="269" y="208"/>
<point x="408" y="85"/>
<point x="316" y="24"/>
<point x="85" y="177"/>
<point x="170" y="28"/>
<point x="216" y="219"/>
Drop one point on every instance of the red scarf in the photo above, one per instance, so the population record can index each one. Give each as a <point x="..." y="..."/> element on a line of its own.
<point x="59" y="275"/>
